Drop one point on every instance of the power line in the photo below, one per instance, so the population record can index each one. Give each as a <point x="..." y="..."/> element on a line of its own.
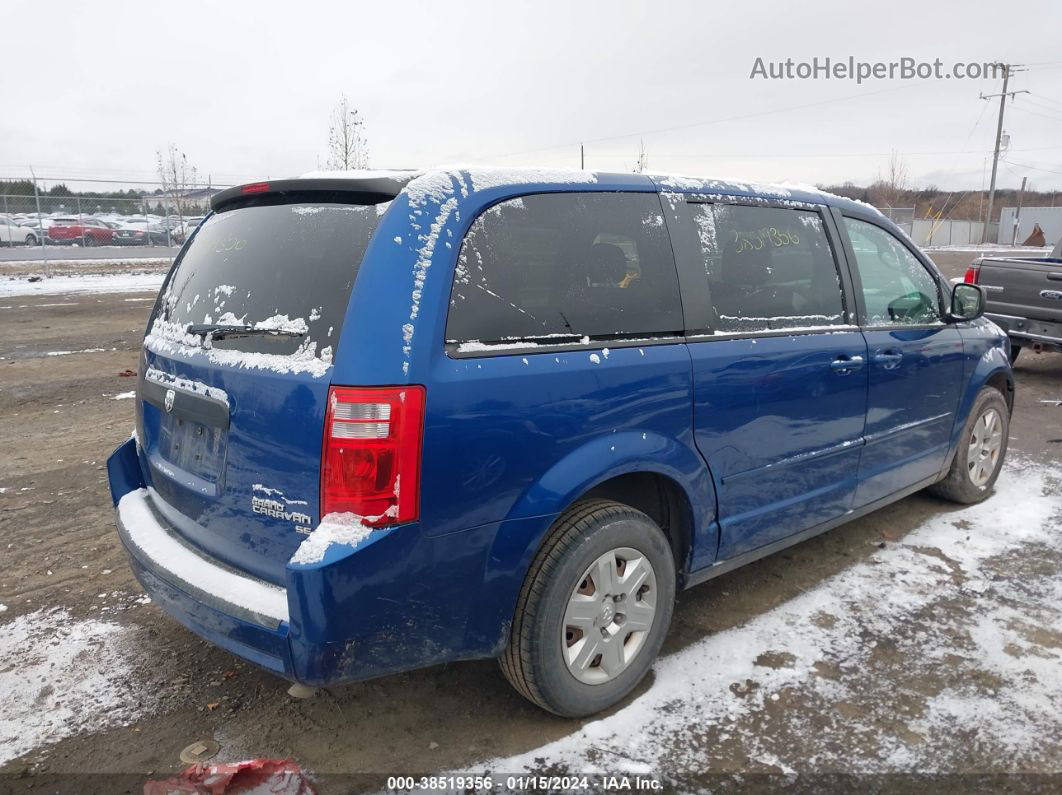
<point x="1034" y="168"/>
<point x="721" y="120"/>
<point x="1042" y="106"/>
<point x="1043" y="99"/>
<point x="735" y="155"/>
<point x="1037" y="113"/>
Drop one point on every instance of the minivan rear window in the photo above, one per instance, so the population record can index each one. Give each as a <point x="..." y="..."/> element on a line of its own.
<point x="288" y="266"/>
<point x="566" y="265"/>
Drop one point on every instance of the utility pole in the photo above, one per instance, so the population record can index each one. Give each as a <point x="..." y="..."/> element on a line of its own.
<point x="1008" y="69"/>
<point x="582" y="157"/>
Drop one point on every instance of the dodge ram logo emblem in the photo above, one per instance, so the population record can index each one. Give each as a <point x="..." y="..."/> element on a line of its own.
<point x="170" y="395"/>
<point x="1051" y="295"/>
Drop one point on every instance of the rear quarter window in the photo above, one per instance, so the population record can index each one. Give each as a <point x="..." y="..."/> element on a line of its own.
<point x="549" y="266"/>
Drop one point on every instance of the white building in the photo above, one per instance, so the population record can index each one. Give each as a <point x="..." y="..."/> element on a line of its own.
<point x="1049" y="219"/>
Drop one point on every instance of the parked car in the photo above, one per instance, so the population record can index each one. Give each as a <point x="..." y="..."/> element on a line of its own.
<point x="86" y="232"/>
<point x="136" y="234"/>
<point x="1024" y="297"/>
<point x="14" y="234"/>
<point x="548" y="401"/>
<point x="39" y="227"/>
<point x="176" y="229"/>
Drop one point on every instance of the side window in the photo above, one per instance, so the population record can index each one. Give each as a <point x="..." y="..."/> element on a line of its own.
<point x="897" y="289"/>
<point x="768" y="268"/>
<point x="565" y="264"/>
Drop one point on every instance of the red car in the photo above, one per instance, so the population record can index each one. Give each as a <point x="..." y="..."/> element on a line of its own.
<point x="89" y="232"/>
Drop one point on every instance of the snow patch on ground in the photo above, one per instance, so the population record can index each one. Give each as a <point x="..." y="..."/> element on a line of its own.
<point x="125" y="395"/>
<point x="944" y="602"/>
<point x="116" y="261"/>
<point x="71" y="353"/>
<point x="61" y="676"/>
<point x="89" y="283"/>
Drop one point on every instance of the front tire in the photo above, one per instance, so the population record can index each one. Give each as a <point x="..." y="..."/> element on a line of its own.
<point x="982" y="447"/>
<point x="31" y="240"/>
<point x="593" y="611"/>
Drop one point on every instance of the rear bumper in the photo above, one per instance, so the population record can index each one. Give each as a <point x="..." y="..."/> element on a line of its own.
<point x="1029" y="331"/>
<point x="241" y="614"/>
<point x="157" y="547"/>
<point x="398" y="601"/>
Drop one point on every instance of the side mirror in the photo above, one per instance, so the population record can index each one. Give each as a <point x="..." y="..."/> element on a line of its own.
<point x="912" y="308"/>
<point x="967" y="302"/>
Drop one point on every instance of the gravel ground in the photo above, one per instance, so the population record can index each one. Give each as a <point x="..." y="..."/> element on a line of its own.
<point x="919" y="641"/>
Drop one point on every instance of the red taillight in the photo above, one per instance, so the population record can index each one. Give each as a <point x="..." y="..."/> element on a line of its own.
<point x="255" y="187"/>
<point x="370" y="460"/>
<point x="973" y="273"/>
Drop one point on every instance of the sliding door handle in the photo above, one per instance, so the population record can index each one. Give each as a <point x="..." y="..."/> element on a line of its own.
<point x="846" y="364"/>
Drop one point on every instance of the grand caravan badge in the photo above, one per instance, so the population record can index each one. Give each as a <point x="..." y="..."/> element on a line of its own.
<point x="277" y="506"/>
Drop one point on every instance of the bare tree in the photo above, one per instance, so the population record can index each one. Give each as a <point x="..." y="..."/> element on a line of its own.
<point x="347" y="147"/>
<point x="892" y="187"/>
<point x="643" y="158"/>
<point x="177" y="176"/>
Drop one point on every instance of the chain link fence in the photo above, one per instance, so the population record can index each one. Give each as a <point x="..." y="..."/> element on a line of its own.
<point x="903" y="217"/>
<point x="54" y="223"/>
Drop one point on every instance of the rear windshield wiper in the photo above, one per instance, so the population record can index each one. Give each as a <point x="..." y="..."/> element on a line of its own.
<point x="219" y="331"/>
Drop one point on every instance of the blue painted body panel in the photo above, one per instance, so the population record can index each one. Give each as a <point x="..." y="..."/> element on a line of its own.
<point x="781" y="431"/>
<point x="911" y="408"/>
<point x="760" y="435"/>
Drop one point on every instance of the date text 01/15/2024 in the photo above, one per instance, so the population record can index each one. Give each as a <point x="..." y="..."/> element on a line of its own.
<point x="523" y="783"/>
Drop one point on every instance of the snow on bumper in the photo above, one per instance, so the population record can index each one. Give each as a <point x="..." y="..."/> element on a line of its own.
<point x="158" y="549"/>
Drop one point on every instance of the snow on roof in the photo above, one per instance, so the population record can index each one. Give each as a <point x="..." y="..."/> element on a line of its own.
<point x="362" y="173"/>
<point x="438" y="183"/>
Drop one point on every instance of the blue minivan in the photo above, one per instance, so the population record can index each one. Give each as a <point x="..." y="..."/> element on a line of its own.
<point x="391" y="419"/>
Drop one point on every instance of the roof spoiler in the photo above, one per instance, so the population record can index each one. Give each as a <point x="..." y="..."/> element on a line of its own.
<point x="373" y="189"/>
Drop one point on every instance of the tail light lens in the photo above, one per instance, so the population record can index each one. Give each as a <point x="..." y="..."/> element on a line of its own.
<point x="370" y="462"/>
<point x="973" y="273"/>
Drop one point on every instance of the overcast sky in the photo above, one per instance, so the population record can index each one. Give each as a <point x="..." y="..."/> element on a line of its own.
<point x="246" y="89"/>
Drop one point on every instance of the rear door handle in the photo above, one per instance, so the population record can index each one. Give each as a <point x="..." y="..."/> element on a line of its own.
<point x="888" y="359"/>
<point x="846" y="364"/>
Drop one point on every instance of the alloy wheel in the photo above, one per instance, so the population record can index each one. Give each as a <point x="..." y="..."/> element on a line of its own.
<point x="986" y="441"/>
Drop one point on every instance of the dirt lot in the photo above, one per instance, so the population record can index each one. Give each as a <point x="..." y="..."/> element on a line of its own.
<point x="917" y="640"/>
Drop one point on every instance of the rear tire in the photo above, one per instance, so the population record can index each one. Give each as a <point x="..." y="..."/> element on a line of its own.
<point x="1015" y="349"/>
<point x="551" y="659"/>
<point x="981" y="451"/>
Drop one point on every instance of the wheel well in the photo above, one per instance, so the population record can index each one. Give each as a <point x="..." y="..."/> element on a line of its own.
<point x="1001" y="381"/>
<point x="661" y="499"/>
